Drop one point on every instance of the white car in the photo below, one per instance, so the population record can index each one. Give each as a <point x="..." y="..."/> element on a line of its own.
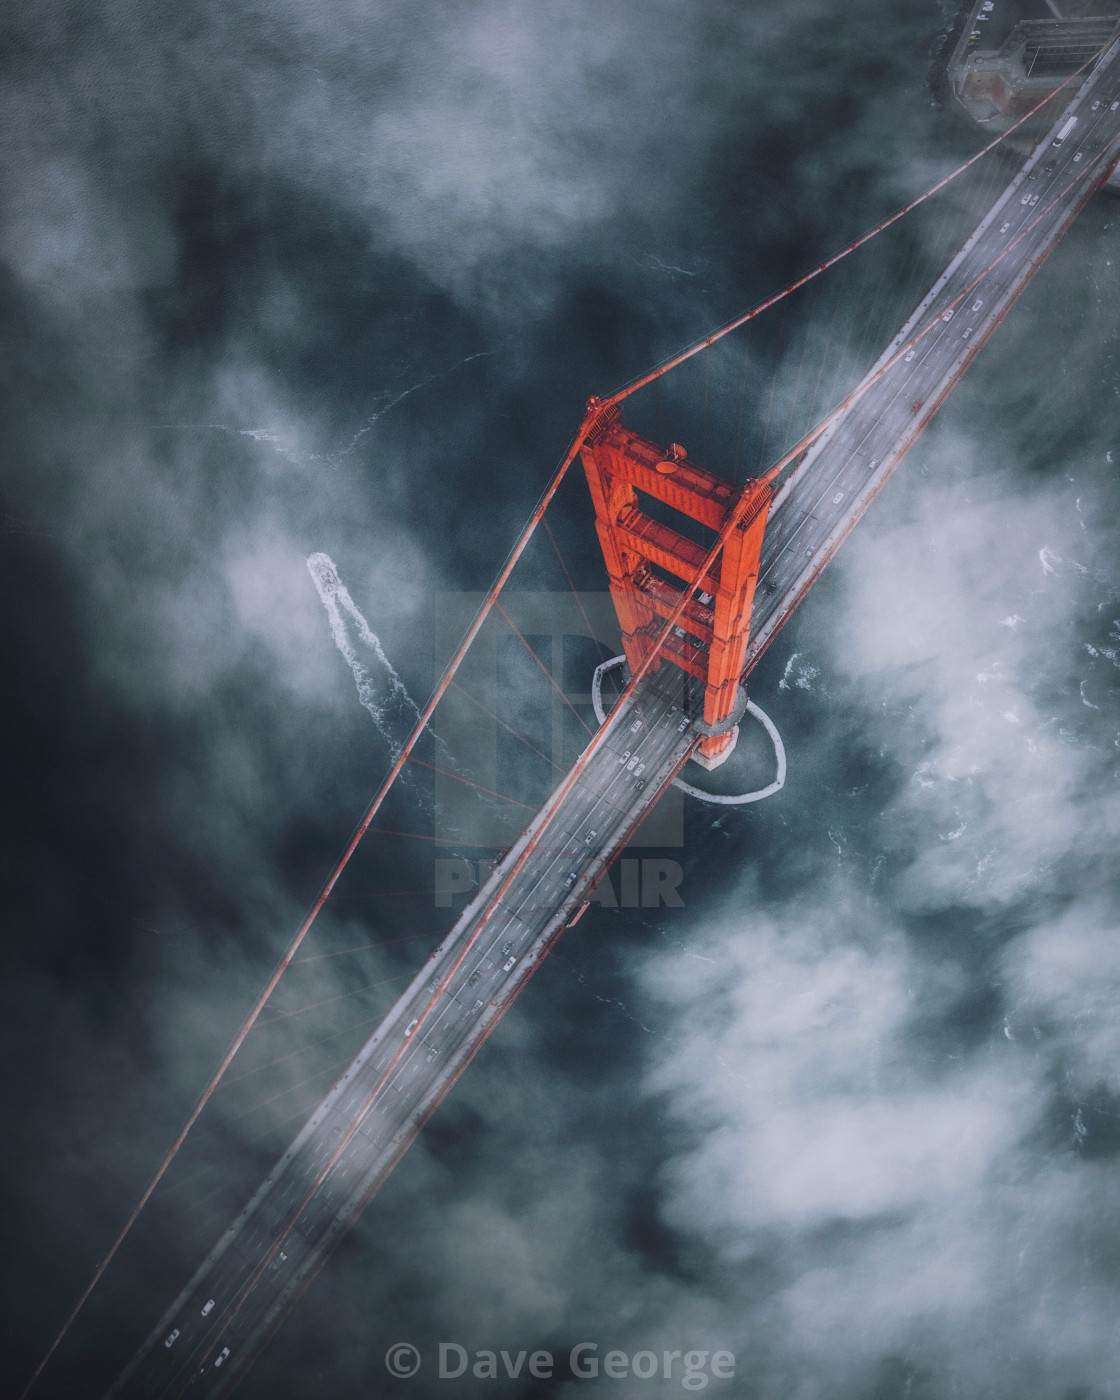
<point x="220" y="1358"/>
<point x="207" y="1307"/>
<point x="171" y="1339"/>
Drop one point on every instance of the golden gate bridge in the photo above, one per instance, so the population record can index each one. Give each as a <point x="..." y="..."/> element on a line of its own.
<point x="703" y="573"/>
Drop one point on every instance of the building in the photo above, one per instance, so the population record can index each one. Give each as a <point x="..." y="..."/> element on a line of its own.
<point x="1011" y="53"/>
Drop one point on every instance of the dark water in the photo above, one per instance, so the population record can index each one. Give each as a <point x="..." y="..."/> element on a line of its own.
<point x="306" y="279"/>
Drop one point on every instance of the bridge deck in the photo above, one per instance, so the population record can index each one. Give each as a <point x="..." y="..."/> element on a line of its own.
<point x="848" y="466"/>
<point x="364" y="1125"/>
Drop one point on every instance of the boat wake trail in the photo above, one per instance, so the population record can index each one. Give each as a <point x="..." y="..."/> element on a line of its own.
<point x="382" y="693"/>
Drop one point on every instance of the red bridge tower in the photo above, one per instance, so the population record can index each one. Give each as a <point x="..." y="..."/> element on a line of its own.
<point x="640" y="491"/>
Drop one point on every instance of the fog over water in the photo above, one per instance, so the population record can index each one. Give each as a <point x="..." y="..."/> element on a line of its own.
<point x="302" y="304"/>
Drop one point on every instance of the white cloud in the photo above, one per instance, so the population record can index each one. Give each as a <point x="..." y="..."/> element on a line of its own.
<point x="1064" y="978"/>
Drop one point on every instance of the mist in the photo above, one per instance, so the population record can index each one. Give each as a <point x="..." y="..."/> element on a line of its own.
<point x="301" y="308"/>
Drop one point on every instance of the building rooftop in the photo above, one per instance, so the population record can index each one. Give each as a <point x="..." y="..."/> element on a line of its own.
<point x="1011" y="53"/>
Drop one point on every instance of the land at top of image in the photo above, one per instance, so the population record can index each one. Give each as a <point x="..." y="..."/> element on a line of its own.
<point x="1011" y="53"/>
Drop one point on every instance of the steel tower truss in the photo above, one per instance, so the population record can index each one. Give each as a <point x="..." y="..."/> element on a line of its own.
<point x="648" y="562"/>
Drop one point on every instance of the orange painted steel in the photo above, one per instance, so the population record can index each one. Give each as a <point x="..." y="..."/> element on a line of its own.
<point x="648" y="562"/>
<point x="605" y="413"/>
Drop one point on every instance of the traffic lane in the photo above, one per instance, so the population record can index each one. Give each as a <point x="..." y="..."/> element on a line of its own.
<point x="606" y="806"/>
<point x="232" y="1268"/>
<point x="591" y="804"/>
<point x="1102" y="107"/>
<point x="676" y="760"/>
<point x="602" y="799"/>
<point x="1100" y="88"/>
<point x="792" y="537"/>
<point x="554" y="885"/>
<point x="936" y="353"/>
<point x="264" y="1313"/>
